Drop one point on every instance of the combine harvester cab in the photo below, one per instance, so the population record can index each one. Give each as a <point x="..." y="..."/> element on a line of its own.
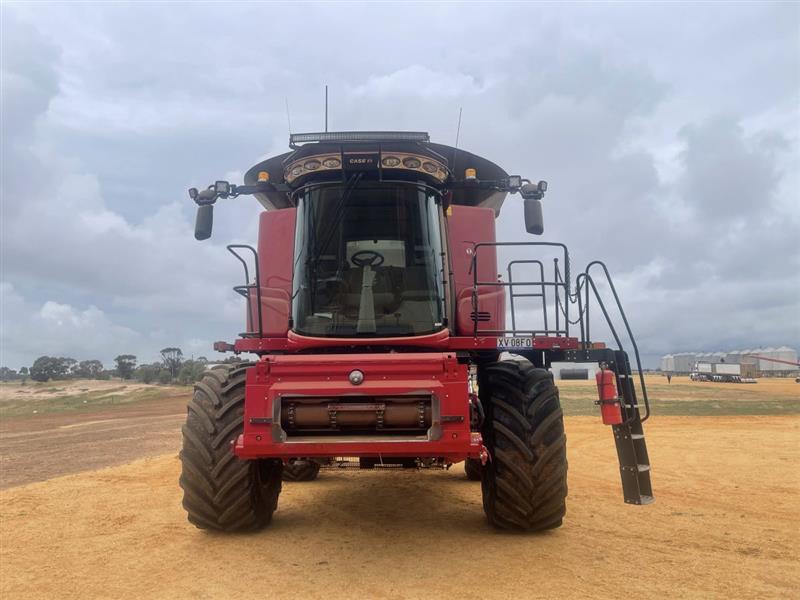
<point x="378" y="319"/>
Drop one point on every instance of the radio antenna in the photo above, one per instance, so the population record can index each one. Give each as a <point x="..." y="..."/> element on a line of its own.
<point x="326" y="108"/>
<point x="458" y="132"/>
<point x="288" y="118"/>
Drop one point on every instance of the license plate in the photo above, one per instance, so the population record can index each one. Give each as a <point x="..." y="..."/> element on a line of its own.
<point x="515" y="342"/>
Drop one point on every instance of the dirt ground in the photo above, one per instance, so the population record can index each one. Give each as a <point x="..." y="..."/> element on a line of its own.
<point x="725" y="524"/>
<point x="42" y="446"/>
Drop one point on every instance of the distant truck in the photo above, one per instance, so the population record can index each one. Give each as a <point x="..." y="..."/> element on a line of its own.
<point x="719" y="372"/>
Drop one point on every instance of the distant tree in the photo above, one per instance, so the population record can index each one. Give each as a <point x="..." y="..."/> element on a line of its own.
<point x="164" y="377"/>
<point x="7" y="374"/>
<point x="147" y="373"/>
<point x="232" y="360"/>
<point x="126" y="363"/>
<point x="23" y="373"/>
<point x="191" y="371"/>
<point x="69" y="366"/>
<point x="41" y="369"/>
<point x="89" y="369"/>
<point x="202" y="359"/>
<point x="172" y="357"/>
<point x="48" y="367"/>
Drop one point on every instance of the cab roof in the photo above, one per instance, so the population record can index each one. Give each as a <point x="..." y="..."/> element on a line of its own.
<point x="452" y="163"/>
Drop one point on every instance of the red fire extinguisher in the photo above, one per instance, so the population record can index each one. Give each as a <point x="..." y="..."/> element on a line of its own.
<point x="610" y="408"/>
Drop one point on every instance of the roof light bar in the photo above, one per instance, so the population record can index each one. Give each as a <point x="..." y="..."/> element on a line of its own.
<point x="359" y="136"/>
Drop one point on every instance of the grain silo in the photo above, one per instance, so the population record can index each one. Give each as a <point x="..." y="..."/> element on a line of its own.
<point x="734" y="357"/>
<point x="684" y="362"/>
<point x="668" y="363"/>
<point x="749" y="364"/>
<point x="768" y="366"/>
<point x="789" y="356"/>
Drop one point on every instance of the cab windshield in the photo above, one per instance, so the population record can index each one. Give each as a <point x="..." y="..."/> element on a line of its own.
<point x="368" y="261"/>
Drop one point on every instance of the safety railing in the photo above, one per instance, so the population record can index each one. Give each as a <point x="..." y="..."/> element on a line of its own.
<point x="245" y="290"/>
<point x="584" y="282"/>
<point x="562" y="298"/>
<point x="560" y="290"/>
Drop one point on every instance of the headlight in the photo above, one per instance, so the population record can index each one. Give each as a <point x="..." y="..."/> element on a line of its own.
<point x="390" y="161"/>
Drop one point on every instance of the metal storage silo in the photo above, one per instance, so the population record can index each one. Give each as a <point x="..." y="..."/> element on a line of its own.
<point x="735" y="357"/>
<point x="767" y="366"/>
<point x="789" y="355"/>
<point x="746" y="358"/>
<point x="684" y="362"/>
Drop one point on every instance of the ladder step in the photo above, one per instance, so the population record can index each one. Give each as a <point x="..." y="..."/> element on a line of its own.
<point x="637" y="436"/>
<point x="641" y="500"/>
<point x="643" y="468"/>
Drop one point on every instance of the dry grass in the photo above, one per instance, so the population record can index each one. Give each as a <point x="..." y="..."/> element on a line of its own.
<point x="769" y="396"/>
<point x="17" y="399"/>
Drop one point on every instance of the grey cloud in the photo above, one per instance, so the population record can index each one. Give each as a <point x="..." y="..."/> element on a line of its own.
<point x="669" y="137"/>
<point x="727" y="176"/>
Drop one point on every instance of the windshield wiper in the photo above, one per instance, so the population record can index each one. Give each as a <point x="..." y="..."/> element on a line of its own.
<point x="334" y="224"/>
<point x="327" y="234"/>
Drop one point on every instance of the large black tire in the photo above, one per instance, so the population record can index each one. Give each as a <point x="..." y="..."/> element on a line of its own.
<point x="221" y="491"/>
<point x="472" y="467"/>
<point x="300" y="469"/>
<point x="525" y="483"/>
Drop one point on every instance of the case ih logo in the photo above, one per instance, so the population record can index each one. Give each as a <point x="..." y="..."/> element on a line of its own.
<point x="360" y="162"/>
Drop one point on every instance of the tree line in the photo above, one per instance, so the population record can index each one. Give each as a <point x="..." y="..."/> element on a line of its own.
<point x="172" y="368"/>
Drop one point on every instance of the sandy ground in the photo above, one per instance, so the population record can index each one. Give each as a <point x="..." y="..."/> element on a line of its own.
<point x="39" y="447"/>
<point x="725" y="524"/>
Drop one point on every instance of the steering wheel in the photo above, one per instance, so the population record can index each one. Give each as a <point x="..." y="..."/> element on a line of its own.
<point x="367" y="258"/>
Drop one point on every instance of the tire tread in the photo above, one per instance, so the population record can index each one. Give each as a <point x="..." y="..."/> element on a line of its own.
<point x="220" y="491"/>
<point x="525" y="483"/>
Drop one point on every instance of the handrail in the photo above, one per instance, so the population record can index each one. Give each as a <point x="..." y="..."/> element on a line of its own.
<point x="248" y="286"/>
<point x="585" y="276"/>
<point x="564" y="283"/>
<point x="511" y="289"/>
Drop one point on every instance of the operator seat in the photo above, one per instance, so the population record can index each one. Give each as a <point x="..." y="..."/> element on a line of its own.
<point x="386" y="288"/>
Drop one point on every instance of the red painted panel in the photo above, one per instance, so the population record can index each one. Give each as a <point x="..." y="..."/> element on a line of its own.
<point x="296" y="343"/>
<point x="467" y="226"/>
<point x="385" y="375"/>
<point x="275" y="261"/>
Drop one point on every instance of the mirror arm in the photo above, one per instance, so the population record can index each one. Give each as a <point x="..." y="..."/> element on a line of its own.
<point x="211" y="194"/>
<point x="258" y="188"/>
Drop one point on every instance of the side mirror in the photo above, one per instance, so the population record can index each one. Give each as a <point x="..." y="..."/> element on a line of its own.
<point x="534" y="221"/>
<point x="204" y="222"/>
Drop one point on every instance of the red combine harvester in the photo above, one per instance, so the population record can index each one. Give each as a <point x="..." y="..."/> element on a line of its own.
<point x="375" y="309"/>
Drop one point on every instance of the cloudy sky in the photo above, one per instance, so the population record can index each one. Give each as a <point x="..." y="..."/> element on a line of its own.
<point x="669" y="134"/>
